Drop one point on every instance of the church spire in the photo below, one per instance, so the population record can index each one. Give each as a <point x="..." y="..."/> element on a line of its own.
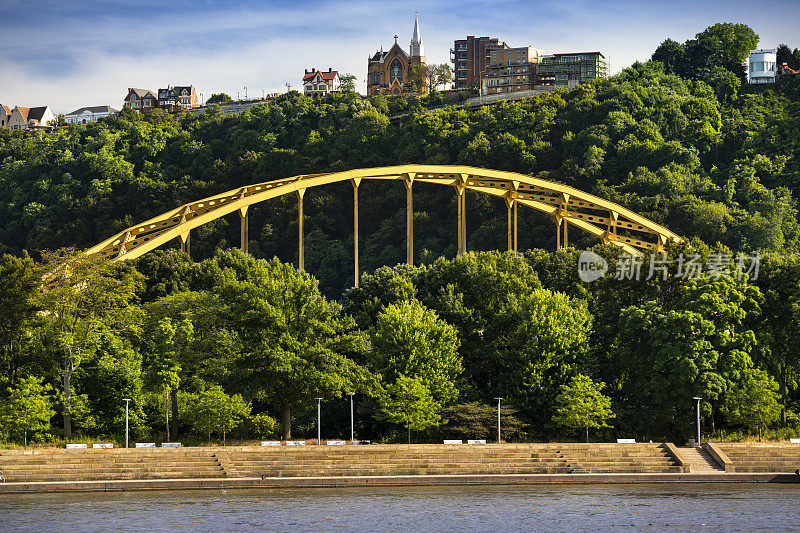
<point x="417" y="49"/>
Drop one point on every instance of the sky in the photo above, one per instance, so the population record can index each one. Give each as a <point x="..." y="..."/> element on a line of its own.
<point x="74" y="53"/>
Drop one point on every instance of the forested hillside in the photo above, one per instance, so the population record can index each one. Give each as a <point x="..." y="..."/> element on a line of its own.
<point x="714" y="160"/>
<point x="718" y="163"/>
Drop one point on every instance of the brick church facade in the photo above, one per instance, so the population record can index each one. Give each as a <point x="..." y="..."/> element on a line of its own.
<point x="390" y="72"/>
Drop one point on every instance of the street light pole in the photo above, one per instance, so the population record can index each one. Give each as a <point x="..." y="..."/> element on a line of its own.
<point x="498" y="419"/>
<point x="127" y="402"/>
<point x="698" y="418"/>
<point x="351" y="417"/>
<point x="319" y="421"/>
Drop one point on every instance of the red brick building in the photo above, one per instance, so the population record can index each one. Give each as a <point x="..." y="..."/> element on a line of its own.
<point x="470" y="57"/>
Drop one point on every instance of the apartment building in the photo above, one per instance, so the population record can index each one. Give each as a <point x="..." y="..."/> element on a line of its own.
<point x="470" y="58"/>
<point x="509" y="70"/>
<point x="569" y="70"/>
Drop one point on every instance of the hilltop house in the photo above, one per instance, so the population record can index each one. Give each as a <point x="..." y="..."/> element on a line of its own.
<point x="26" y="118"/>
<point x="85" y="115"/>
<point x="5" y="115"/>
<point x="319" y="83"/>
<point x="141" y="99"/>
<point x="177" y="98"/>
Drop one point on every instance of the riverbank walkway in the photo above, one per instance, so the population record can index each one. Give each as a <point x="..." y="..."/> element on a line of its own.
<point x="56" y="470"/>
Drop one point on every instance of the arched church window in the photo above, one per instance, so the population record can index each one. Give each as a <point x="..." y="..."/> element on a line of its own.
<point x="396" y="71"/>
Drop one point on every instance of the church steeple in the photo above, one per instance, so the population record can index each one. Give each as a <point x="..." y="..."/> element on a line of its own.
<point x="417" y="49"/>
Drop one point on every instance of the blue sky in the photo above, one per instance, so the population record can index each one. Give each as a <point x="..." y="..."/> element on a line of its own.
<point x="74" y="53"/>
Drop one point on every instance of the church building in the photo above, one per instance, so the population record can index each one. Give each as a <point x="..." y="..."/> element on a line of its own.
<point x="390" y="72"/>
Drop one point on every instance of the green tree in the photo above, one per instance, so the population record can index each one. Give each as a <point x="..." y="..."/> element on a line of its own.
<point x="413" y="341"/>
<point x="696" y="341"/>
<point x="582" y="404"/>
<point x="419" y="76"/>
<point x="219" y="98"/>
<point x="20" y="280"/>
<point x="408" y="402"/>
<point x="444" y="75"/>
<point x="214" y="411"/>
<point x="28" y="407"/>
<point x="476" y="420"/>
<point x="165" y="368"/>
<point x="754" y="403"/>
<point x="86" y="299"/>
<point x="293" y="342"/>
<point x="725" y="45"/>
<point x="671" y="54"/>
<point x="347" y="83"/>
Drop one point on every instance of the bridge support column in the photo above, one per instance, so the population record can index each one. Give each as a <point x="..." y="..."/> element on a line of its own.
<point x="558" y="233"/>
<point x="301" y="250"/>
<point x="185" y="244"/>
<point x="244" y="229"/>
<point x="409" y="222"/>
<point x="462" y="219"/>
<point x="512" y="224"/>
<point x="355" y="183"/>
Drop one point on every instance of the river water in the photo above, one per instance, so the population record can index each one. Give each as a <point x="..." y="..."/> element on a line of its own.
<point x="658" y="507"/>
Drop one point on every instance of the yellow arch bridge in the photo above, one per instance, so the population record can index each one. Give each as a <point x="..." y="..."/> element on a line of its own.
<point x="568" y="206"/>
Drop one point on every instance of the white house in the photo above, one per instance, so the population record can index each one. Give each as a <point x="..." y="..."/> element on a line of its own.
<point x="319" y="83"/>
<point x="25" y="118"/>
<point x="761" y="66"/>
<point x="85" y="115"/>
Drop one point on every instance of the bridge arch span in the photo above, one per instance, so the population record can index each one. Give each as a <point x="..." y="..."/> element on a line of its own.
<point x="610" y="222"/>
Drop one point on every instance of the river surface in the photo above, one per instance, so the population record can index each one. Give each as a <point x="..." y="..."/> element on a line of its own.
<point x="659" y="507"/>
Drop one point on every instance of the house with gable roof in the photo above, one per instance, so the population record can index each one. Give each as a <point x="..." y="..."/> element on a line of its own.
<point x="28" y="118"/>
<point x="141" y="99"/>
<point x="5" y="115"/>
<point x="320" y="83"/>
<point x="177" y="98"/>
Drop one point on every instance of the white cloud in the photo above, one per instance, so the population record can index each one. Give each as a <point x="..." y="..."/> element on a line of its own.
<point x="264" y="47"/>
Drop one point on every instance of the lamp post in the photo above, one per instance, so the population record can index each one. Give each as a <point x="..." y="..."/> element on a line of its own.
<point x="698" y="398"/>
<point x="351" y="417"/>
<point x="127" y="402"/>
<point x="319" y="421"/>
<point x="498" y="419"/>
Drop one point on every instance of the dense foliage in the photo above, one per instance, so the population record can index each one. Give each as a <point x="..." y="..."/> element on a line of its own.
<point x="228" y="343"/>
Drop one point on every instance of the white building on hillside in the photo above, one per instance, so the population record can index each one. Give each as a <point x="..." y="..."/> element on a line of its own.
<point x="761" y="66"/>
<point x="85" y="115"/>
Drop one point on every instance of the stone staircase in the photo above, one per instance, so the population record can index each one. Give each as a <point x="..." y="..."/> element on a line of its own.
<point x="605" y="458"/>
<point x="762" y="457"/>
<point x="106" y="465"/>
<point x="333" y="461"/>
<point x="395" y="460"/>
<point x="700" y="461"/>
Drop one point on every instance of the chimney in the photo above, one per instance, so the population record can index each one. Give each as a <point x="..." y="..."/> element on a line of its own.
<point x="330" y="69"/>
<point x="306" y="71"/>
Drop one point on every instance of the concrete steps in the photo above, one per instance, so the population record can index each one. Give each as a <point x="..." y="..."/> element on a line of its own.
<point x="755" y="457"/>
<point x="98" y="465"/>
<point x="334" y="461"/>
